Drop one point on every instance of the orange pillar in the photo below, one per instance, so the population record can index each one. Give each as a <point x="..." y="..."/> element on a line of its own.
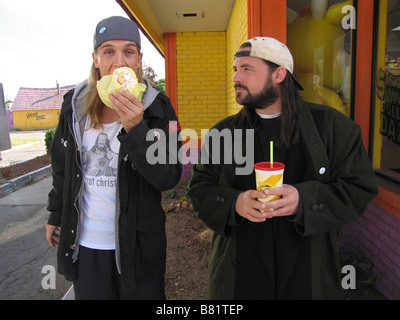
<point x="363" y="76"/>
<point x="267" y="18"/>
<point x="171" y="81"/>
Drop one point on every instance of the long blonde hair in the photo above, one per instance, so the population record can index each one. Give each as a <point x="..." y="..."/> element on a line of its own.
<point x="92" y="101"/>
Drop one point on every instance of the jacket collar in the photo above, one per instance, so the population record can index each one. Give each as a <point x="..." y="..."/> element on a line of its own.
<point x="149" y="97"/>
<point x="311" y="136"/>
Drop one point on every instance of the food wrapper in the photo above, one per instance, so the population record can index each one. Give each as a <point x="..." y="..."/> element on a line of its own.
<point x="122" y="78"/>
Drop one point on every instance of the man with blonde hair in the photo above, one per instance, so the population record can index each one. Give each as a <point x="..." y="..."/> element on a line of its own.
<point x="110" y="226"/>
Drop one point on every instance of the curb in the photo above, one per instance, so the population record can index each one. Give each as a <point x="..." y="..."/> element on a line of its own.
<point x="22" y="181"/>
<point x="24" y="146"/>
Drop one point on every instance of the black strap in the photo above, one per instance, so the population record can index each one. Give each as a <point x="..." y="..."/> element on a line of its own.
<point x="244" y="53"/>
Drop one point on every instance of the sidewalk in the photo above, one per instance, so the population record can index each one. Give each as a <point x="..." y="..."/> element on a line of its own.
<point x="20" y="154"/>
<point x="27" y="261"/>
<point x="25" y="255"/>
<point x="24" y="152"/>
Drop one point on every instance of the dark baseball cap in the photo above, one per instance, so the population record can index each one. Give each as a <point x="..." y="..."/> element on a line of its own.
<point x="116" y="28"/>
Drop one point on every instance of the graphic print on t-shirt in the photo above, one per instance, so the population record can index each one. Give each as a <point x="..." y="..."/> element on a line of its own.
<point x="100" y="160"/>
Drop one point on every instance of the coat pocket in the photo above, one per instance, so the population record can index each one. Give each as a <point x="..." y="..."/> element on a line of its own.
<point x="151" y="254"/>
<point x="151" y="219"/>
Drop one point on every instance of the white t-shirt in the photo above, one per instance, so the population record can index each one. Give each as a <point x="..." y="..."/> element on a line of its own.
<point x="100" y="149"/>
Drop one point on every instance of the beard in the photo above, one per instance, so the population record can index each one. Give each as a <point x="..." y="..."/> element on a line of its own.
<point x="261" y="100"/>
<point x="101" y="148"/>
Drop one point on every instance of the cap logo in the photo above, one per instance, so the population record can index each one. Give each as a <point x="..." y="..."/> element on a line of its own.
<point x="103" y="30"/>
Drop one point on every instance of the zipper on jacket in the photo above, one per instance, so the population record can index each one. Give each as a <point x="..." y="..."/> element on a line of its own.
<point x="77" y="200"/>
<point x="117" y="214"/>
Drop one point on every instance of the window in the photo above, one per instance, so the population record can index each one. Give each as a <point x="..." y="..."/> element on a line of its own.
<point x="386" y="138"/>
<point x="319" y="37"/>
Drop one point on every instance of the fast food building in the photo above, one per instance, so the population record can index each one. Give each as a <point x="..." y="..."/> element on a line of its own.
<point x="38" y="108"/>
<point x="347" y="56"/>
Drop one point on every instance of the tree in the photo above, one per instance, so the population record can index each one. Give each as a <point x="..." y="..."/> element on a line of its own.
<point x="160" y="85"/>
<point x="148" y="73"/>
<point x="8" y="104"/>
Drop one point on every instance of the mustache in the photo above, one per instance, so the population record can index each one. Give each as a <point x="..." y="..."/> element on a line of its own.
<point x="241" y="86"/>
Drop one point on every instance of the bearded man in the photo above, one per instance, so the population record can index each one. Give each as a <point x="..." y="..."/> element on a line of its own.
<point x="287" y="248"/>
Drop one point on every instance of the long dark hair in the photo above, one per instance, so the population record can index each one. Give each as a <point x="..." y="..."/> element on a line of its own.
<point x="93" y="103"/>
<point x="291" y="102"/>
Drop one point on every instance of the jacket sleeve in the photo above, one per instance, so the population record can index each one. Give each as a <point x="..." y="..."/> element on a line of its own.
<point x="57" y="152"/>
<point x="211" y="194"/>
<point x="328" y="206"/>
<point x="161" y="137"/>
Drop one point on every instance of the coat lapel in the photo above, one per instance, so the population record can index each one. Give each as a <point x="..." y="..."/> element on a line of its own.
<point x="288" y="241"/>
<point x="314" y="145"/>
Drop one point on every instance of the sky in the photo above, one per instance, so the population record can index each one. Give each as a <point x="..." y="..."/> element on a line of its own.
<point x="43" y="42"/>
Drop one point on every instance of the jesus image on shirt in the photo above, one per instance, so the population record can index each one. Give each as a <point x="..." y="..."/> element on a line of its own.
<point x="100" y="160"/>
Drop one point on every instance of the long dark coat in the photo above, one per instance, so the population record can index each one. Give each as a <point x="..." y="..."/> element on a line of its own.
<point x="340" y="183"/>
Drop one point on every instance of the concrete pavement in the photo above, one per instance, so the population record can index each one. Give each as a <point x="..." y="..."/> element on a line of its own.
<point x="24" y="152"/>
<point x="20" y="154"/>
<point x="27" y="262"/>
<point x="26" y="259"/>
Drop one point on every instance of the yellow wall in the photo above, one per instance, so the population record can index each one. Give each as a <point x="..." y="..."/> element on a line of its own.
<point x="236" y="35"/>
<point x="35" y="119"/>
<point x="201" y="70"/>
<point x="205" y="72"/>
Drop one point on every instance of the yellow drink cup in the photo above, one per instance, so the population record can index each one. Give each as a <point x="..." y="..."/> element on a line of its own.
<point x="268" y="177"/>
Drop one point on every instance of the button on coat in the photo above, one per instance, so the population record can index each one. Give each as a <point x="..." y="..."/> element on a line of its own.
<point x="220" y="199"/>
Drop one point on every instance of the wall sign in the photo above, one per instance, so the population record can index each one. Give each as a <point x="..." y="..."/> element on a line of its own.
<point x="388" y="90"/>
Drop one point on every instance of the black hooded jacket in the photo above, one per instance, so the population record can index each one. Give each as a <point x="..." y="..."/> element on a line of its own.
<point x="140" y="219"/>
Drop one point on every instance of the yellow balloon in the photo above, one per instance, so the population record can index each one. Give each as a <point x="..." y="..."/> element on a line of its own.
<point x="315" y="45"/>
<point x="315" y="93"/>
<point x="334" y="14"/>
